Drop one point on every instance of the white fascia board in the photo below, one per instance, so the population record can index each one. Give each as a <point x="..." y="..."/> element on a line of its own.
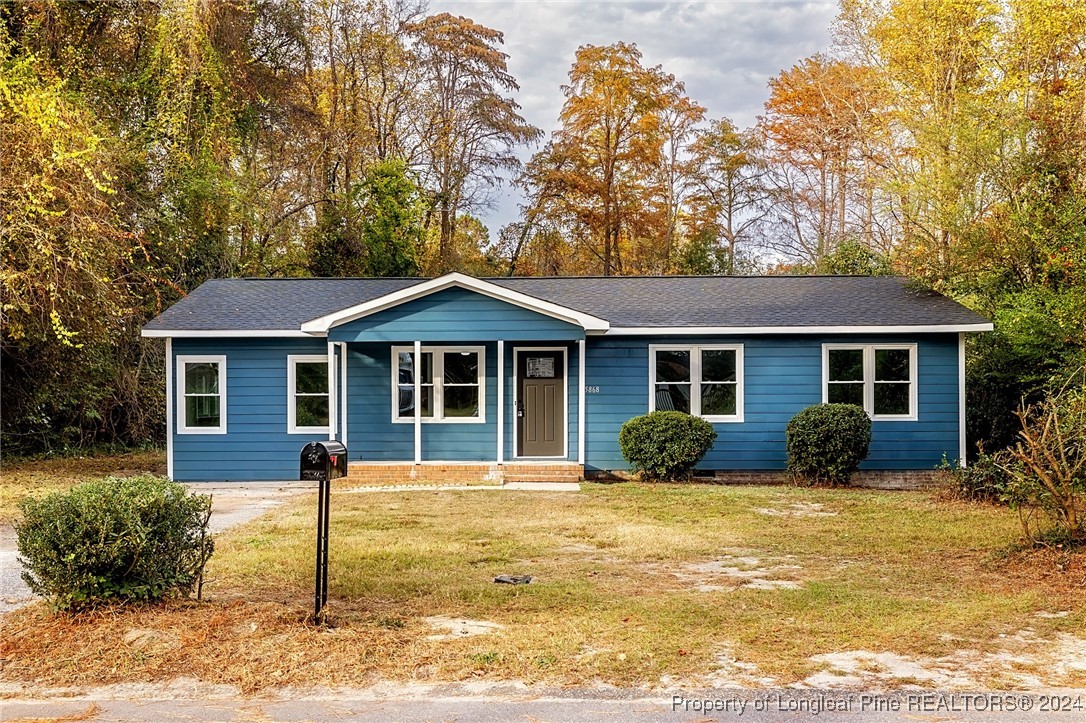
<point x="229" y="333"/>
<point x="759" y="330"/>
<point x="586" y="321"/>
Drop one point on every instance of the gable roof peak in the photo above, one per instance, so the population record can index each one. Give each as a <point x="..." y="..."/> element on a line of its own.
<point x="425" y="287"/>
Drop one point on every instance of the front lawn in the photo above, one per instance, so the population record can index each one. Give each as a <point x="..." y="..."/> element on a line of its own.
<point x="41" y="476"/>
<point x="634" y="585"/>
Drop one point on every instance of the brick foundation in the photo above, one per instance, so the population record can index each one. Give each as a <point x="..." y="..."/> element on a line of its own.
<point x="868" y="479"/>
<point x="401" y="473"/>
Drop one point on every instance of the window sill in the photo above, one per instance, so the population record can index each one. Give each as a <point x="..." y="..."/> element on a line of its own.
<point x="449" y="420"/>
<point x="723" y="420"/>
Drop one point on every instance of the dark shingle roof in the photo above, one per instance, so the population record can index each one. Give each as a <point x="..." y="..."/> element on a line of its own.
<point x="672" y="301"/>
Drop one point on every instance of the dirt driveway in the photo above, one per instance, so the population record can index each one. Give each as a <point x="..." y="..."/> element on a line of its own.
<point x="232" y="503"/>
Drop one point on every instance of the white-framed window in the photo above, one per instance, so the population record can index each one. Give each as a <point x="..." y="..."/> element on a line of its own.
<point x="451" y="384"/>
<point x="307" y="394"/>
<point x="201" y="394"/>
<point x="881" y="378"/>
<point x="705" y="380"/>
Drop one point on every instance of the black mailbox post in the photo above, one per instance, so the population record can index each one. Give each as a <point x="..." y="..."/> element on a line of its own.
<point x="322" y="462"/>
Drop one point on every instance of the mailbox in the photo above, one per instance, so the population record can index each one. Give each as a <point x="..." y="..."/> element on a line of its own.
<point x="323" y="461"/>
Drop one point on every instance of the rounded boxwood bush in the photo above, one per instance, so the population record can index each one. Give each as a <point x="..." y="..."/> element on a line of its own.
<point x="827" y="442"/>
<point x="665" y="445"/>
<point x="136" y="538"/>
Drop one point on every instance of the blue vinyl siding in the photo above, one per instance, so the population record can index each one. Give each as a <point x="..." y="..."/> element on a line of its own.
<point x="782" y="376"/>
<point x="256" y="445"/>
<point x="453" y="316"/>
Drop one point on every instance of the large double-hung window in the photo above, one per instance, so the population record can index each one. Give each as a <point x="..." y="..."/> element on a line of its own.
<point x="450" y="381"/>
<point x="880" y="378"/>
<point x="703" y="380"/>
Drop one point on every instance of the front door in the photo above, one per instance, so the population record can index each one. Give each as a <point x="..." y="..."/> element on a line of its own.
<point x="541" y="403"/>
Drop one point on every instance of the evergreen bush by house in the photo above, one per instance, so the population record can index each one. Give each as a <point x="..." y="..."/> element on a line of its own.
<point x="665" y="445"/>
<point x="827" y="442"/>
<point x="136" y="538"/>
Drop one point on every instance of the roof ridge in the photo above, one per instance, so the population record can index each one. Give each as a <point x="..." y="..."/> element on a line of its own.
<point x="321" y="278"/>
<point x="560" y="278"/>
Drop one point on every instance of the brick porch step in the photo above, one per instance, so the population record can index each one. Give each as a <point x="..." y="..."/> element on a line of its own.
<point x="483" y="472"/>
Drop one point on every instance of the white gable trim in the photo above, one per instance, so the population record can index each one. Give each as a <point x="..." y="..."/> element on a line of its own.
<point x="586" y="321"/>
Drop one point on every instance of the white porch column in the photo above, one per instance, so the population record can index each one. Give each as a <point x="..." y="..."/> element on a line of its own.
<point x="580" y="402"/>
<point x="418" y="401"/>
<point x="961" y="400"/>
<point x="501" y="401"/>
<point x="332" y="407"/>
<point x="343" y="386"/>
<point x="170" y="411"/>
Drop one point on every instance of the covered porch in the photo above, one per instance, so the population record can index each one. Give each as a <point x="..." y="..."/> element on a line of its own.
<point x="459" y="382"/>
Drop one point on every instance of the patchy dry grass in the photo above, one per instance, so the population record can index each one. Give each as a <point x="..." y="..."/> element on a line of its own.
<point x="634" y="585"/>
<point x="40" y="477"/>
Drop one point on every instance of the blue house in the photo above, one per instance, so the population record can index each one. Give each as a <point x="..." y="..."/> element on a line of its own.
<point x="528" y="378"/>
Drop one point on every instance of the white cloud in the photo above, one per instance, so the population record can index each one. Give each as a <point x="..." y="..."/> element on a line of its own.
<point x="725" y="51"/>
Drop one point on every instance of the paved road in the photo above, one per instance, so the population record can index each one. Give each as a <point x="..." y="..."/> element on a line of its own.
<point x="519" y="703"/>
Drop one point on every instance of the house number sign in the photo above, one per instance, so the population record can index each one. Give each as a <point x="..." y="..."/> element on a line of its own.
<point x="541" y="367"/>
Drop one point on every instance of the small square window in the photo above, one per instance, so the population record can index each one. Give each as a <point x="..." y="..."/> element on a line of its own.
<point x="201" y="394"/>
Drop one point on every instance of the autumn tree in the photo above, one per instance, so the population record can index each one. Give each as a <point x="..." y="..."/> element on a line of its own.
<point x="359" y="77"/>
<point x="601" y="166"/>
<point x="938" y="60"/>
<point x="71" y="273"/>
<point x="674" y="182"/>
<point x="468" y="128"/>
<point x="822" y="127"/>
<point x="987" y="183"/>
<point x="730" y="192"/>
<point x="148" y="103"/>
<point x="188" y="141"/>
<point x="472" y="250"/>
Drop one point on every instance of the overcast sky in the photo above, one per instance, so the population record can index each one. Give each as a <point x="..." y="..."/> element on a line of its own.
<point x="724" y="51"/>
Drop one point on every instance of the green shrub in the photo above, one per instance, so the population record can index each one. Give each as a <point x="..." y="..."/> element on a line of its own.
<point x="665" y="445"/>
<point x="137" y="538"/>
<point x="827" y="442"/>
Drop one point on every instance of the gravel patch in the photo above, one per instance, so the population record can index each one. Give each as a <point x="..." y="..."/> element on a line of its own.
<point x="459" y="627"/>
<point x="732" y="571"/>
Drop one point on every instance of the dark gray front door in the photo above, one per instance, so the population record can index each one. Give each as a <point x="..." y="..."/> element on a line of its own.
<point x="541" y="403"/>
